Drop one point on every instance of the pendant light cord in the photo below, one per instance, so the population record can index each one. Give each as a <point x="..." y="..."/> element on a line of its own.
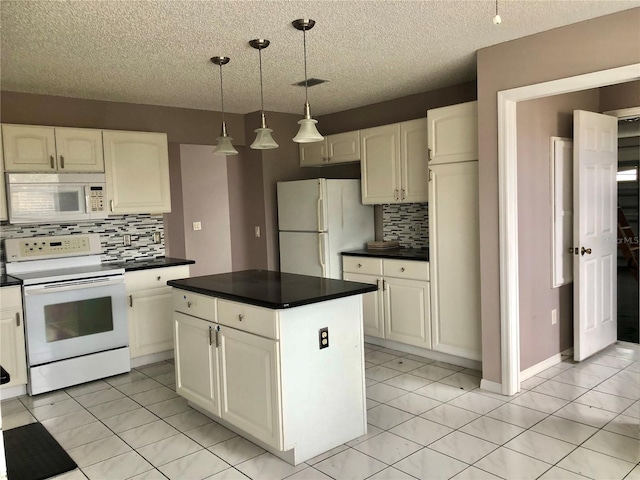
<point x="261" y="92"/>
<point x="306" y="80"/>
<point x="496" y="7"/>
<point x="221" y="94"/>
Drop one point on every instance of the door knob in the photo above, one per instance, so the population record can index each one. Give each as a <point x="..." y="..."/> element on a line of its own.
<point x="585" y="250"/>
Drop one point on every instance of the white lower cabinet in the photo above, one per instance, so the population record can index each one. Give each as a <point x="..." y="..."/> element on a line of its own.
<point x="261" y="373"/>
<point x="249" y="380"/>
<point x="12" y="348"/>
<point x="406" y="313"/>
<point x="400" y="309"/>
<point x="150" y="309"/>
<point x="196" y="361"/>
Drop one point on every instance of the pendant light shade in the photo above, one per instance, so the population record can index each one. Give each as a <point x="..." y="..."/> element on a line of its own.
<point x="264" y="140"/>
<point x="308" y="133"/>
<point x="225" y="147"/>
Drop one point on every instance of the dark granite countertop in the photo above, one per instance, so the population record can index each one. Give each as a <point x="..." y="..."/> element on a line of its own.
<point x="9" y="281"/>
<point x="275" y="290"/>
<point x="147" y="263"/>
<point x="420" y="254"/>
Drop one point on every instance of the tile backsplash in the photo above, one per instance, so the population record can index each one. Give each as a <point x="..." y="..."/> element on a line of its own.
<point x="111" y="230"/>
<point x="406" y="222"/>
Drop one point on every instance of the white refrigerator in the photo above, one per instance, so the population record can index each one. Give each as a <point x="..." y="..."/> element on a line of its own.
<point x="318" y="219"/>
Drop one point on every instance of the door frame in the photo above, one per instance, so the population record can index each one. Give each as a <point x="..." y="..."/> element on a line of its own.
<point x="508" y="202"/>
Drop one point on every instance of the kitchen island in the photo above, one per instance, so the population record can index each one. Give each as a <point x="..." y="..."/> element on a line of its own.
<point x="278" y="358"/>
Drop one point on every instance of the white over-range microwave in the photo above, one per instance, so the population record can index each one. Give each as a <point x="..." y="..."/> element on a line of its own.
<point x="51" y="197"/>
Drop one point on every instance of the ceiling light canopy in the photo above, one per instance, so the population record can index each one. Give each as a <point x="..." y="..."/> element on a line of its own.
<point x="308" y="132"/>
<point x="264" y="140"/>
<point x="224" y="147"/>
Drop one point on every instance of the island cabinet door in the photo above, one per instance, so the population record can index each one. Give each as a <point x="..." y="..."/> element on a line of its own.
<point x="250" y="384"/>
<point x="196" y="357"/>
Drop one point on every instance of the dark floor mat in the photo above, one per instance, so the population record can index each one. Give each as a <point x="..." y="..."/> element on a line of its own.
<point x="33" y="454"/>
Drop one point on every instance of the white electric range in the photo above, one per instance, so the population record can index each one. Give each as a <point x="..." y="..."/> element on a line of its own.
<point x="74" y="310"/>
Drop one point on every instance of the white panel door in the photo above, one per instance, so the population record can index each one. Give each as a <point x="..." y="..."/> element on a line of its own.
<point x="454" y="260"/>
<point x="372" y="309"/>
<point x="406" y="315"/>
<point x="250" y="384"/>
<point x="137" y="172"/>
<point x="343" y="147"/>
<point x="12" y="350"/>
<point x="414" y="161"/>
<point x="79" y="150"/>
<point x="313" y="154"/>
<point x="28" y="148"/>
<point x="453" y="133"/>
<point x="302" y="206"/>
<point x="380" y="164"/>
<point x="595" y="163"/>
<point x="196" y="361"/>
<point x="304" y="253"/>
<point x="150" y="321"/>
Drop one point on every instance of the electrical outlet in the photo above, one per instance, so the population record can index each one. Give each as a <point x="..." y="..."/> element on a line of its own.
<point x="257" y="231"/>
<point x="323" y="337"/>
<point x="197" y="226"/>
<point x="554" y="316"/>
<point x="156" y="237"/>
<point x="126" y="240"/>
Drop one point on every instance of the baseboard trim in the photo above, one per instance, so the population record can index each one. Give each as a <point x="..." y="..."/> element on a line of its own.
<point x="425" y="352"/>
<point x="11" y="392"/>
<point x="490" y="386"/>
<point x="152" y="358"/>
<point x="540" y="367"/>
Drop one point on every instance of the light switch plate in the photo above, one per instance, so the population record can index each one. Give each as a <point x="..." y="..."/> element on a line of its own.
<point x="197" y="226"/>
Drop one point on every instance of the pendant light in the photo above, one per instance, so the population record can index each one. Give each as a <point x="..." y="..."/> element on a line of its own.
<point x="308" y="132"/>
<point x="497" y="20"/>
<point x="225" y="147"/>
<point x="264" y="140"/>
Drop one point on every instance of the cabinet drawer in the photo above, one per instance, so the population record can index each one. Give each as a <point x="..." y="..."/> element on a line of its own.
<point x="261" y="321"/>
<point x="154" y="278"/>
<point x="363" y="265"/>
<point x="194" y="304"/>
<point x="10" y="298"/>
<point x="406" y="269"/>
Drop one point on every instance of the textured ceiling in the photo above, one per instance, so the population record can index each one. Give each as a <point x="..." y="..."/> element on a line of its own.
<point x="157" y="52"/>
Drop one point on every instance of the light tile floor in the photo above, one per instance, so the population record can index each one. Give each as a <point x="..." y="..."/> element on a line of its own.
<point x="427" y="420"/>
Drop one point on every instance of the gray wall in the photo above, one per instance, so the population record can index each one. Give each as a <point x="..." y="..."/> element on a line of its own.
<point x="538" y="120"/>
<point x="602" y="43"/>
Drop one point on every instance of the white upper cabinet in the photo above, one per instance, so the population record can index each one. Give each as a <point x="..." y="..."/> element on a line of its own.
<point x="334" y="149"/>
<point x="414" y="161"/>
<point x="453" y="133"/>
<point x="29" y="148"/>
<point x="380" y="164"/>
<point x="137" y="172"/>
<point x="394" y="163"/>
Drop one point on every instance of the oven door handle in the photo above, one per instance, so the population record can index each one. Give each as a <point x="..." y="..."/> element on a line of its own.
<point x="73" y="285"/>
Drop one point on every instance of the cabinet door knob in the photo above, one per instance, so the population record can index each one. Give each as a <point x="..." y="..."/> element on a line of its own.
<point x="61" y="161"/>
<point x="402" y="269"/>
<point x="359" y="265"/>
<point x="131" y="300"/>
<point x="189" y="304"/>
<point x="241" y="316"/>
<point x="159" y="278"/>
<point x="210" y="338"/>
<point x="111" y="205"/>
<point x="17" y="319"/>
<point x="51" y="160"/>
